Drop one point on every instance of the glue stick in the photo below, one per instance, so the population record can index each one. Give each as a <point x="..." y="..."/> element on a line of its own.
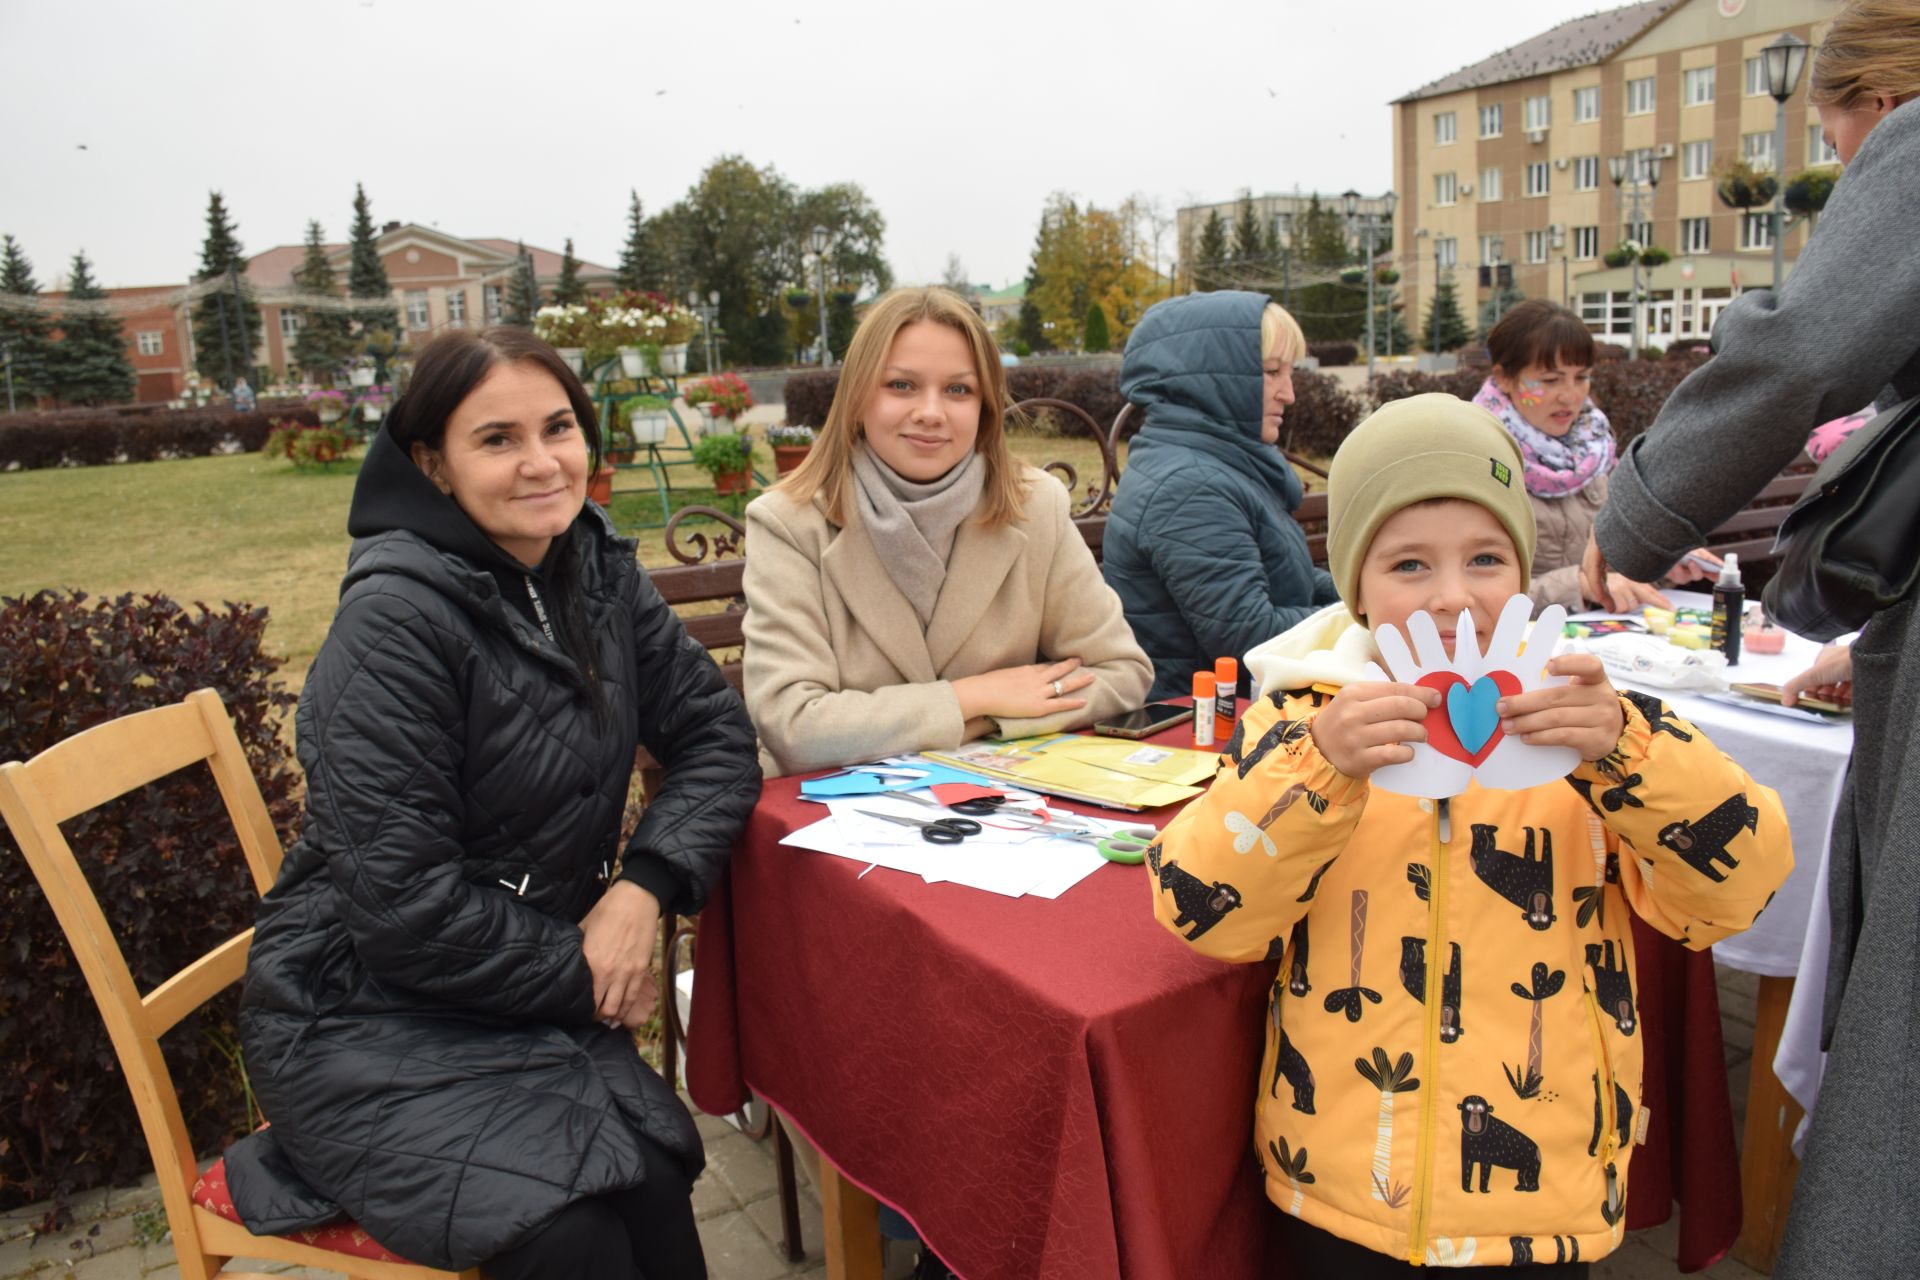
<point x="1226" y="691"/>
<point x="1202" y="705"/>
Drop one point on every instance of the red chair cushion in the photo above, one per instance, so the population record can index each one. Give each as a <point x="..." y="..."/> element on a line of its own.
<point x="210" y="1193"/>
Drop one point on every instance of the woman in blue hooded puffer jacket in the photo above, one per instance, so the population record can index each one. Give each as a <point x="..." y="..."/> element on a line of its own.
<point x="1202" y="546"/>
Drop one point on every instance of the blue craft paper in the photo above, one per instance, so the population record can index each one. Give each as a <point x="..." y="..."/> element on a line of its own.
<point x="1472" y="712"/>
<point x="867" y="784"/>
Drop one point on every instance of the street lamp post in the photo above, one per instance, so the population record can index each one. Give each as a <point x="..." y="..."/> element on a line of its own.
<point x="1783" y="60"/>
<point x="6" y="359"/>
<point x="1369" y="226"/>
<point x="1558" y="235"/>
<point x="818" y="239"/>
<point x="1634" y="174"/>
<point x="708" y="310"/>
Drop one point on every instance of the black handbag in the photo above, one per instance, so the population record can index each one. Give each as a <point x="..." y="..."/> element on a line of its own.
<point x="1851" y="546"/>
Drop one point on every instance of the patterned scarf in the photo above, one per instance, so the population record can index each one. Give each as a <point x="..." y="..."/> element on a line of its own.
<point x="1556" y="466"/>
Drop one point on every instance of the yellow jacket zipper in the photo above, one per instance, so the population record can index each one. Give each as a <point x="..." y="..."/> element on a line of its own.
<point x="1603" y="1065"/>
<point x="1423" y="1154"/>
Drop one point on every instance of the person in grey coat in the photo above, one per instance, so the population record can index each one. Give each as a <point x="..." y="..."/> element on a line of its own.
<point x="1841" y="330"/>
<point x="1202" y="546"/>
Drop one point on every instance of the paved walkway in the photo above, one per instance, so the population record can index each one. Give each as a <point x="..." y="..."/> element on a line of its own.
<point x="121" y="1234"/>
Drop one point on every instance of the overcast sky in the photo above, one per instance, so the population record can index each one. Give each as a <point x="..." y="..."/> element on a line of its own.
<point x="532" y="120"/>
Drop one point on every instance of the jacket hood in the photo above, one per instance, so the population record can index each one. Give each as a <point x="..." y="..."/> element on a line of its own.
<point x="1330" y="648"/>
<point x="1193" y="365"/>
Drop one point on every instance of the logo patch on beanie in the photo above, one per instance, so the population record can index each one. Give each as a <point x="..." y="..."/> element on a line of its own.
<point x="1502" y="472"/>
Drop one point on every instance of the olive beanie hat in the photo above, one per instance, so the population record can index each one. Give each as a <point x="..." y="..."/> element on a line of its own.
<point x="1412" y="450"/>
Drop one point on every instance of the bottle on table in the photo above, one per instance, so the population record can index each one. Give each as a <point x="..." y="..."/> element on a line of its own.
<point x="1203" y="708"/>
<point x="1226" y="693"/>
<point x="1729" y="610"/>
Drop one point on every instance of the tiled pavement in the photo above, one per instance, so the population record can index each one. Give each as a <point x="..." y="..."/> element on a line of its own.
<point x="117" y="1233"/>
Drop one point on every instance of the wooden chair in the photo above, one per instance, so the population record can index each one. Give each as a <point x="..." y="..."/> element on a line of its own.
<point x="82" y="773"/>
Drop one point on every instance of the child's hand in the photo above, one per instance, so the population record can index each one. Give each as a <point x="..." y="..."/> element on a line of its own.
<point x="1368" y="725"/>
<point x="1584" y="715"/>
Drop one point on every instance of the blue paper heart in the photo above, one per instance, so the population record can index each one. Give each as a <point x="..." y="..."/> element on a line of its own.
<point x="1471" y="711"/>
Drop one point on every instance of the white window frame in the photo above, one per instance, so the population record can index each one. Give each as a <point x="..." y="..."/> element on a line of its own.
<point x="1586" y="173"/>
<point x="289" y="325"/>
<point x="1491" y="185"/>
<point x="1756" y="77"/>
<point x="1757" y="150"/>
<point x="1641" y="232"/>
<point x="1696" y="235"/>
<point x="493" y="302"/>
<point x="1446" y="251"/>
<point x="1756" y="230"/>
<point x="1493" y="250"/>
<point x="457" y="307"/>
<point x="1586" y="243"/>
<point x="1539" y="244"/>
<point x="1696" y="87"/>
<point x="1446" y="129"/>
<point x="419" y="314"/>
<point x="151" y="342"/>
<point x="1446" y="189"/>
<point x="1493" y="114"/>
<point x="1586" y="104"/>
<point x="1642" y="96"/>
<point x="1539" y="179"/>
<point x="1538" y="112"/>
<point x="1696" y="159"/>
<point x="1818" y="152"/>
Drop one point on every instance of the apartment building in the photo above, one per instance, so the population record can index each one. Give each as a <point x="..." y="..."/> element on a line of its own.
<point x="1512" y="161"/>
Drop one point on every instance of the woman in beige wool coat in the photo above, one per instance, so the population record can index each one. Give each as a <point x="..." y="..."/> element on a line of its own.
<point x="914" y="585"/>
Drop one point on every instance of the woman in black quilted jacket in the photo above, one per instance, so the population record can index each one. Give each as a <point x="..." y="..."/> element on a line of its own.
<point x="440" y="990"/>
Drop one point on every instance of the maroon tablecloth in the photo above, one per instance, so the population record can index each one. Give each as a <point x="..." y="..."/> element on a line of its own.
<point x="1061" y="1088"/>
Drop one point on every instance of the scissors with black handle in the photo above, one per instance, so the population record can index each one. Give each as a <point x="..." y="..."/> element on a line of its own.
<point x="978" y="807"/>
<point x="937" y="831"/>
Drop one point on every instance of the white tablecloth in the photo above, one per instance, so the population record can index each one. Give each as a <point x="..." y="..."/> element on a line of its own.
<point x="1803" y="761"/>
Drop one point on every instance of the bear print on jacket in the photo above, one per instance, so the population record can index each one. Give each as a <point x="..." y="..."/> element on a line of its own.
<point x="1522" y="879"/>
<point x="1413" y="976"/>
<point x="1612" y="985"/>
<point x="1486" y="1141"/>
<point x="1703" y="842"/>
<point x="1201" y="905"/>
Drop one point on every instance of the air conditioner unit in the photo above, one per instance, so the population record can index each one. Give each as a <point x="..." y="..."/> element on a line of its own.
<point x="1556" y="228"/>
<point x="1664" y="151"/>
<point x="1560" y="162"/>
<point x="1536" y="135"/>
<point x="1466" y="188"/>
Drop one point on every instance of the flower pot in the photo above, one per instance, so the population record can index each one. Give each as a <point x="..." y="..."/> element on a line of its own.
<point x="620" y="457"/>
<point x="633" y="362"/>
<point x="600" y="486"/>
<point x="673" y="359"/>
<point x="574" y="356"/>
<point x="649" y="428"/>
<point x="371" y="412"/>
<point x="328" y="413"/>
<point x="361" y="377"/>
<point x="715" y="424"/>
<point x="727" y="482"/>
<point x="788" y="456"/>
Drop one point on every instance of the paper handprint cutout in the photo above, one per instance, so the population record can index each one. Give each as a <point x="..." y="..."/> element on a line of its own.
<point x="1464" y="740"/>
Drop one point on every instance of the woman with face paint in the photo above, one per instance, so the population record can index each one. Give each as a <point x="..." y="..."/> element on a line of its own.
<point x="1540" y="389"/>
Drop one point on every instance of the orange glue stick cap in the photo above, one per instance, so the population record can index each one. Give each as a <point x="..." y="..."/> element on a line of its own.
<point x="1203" y="685"/>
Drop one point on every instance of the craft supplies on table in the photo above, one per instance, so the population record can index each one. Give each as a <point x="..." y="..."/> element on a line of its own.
<point x="1112" y="772"/>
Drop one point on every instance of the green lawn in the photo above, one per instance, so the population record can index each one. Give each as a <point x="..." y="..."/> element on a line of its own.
<point x="248" y="528"/>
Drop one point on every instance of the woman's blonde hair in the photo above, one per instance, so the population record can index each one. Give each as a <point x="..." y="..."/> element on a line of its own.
<point x="828" y="469"/>
<point x="1872" y="49"/>
<point x="1280" y="335"/>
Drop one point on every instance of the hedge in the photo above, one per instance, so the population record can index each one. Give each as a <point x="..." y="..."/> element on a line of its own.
<point x="95" y="437"/>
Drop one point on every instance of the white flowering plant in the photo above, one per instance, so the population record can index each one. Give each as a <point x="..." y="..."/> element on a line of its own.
<point x="565" y="324"/>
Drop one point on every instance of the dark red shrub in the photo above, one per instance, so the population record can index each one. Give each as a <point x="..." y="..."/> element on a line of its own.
<point x="162" y="861"/>
<point x="94" y="437"/>
<point x="1331" y="354"/>
<point x="1322" y="413"/>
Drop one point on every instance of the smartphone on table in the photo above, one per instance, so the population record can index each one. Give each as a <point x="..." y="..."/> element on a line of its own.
<point x="1146" y="721"/>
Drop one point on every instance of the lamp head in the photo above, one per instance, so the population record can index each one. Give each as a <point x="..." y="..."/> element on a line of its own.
<point x="819" y="238"/>
<point x="1351" y="203"/>
<point x="1783" y="60"/>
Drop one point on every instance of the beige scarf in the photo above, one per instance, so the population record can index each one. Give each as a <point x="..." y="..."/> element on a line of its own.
<point x="913" y="525"/>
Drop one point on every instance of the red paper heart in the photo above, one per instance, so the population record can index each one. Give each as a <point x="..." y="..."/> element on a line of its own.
<point x="1439" y="726"/>
<point x="952" y="793"/>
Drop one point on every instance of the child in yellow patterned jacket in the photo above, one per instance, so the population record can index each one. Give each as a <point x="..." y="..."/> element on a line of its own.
<point x="1452" y="1070"/>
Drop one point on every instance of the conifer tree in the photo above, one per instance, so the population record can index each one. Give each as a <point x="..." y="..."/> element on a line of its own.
<point x="367" y="275"/>
<point x="325" y="340"/>
<point x="639" y="263"/>
<point x="25" y="331"/>
<point x="521" y="300"/>
<point x="1096" y="339"/>
<point x="1445" y="329"/>
<point x="216" y="357"/>
<point x="569" y="289"/>
<point x="1248" y="243"/>
<point x="89" y="364"/>
<point x="1213" y="254"/>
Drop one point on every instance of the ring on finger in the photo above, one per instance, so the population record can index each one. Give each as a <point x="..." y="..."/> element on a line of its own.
<point x="1056" y="688"/>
